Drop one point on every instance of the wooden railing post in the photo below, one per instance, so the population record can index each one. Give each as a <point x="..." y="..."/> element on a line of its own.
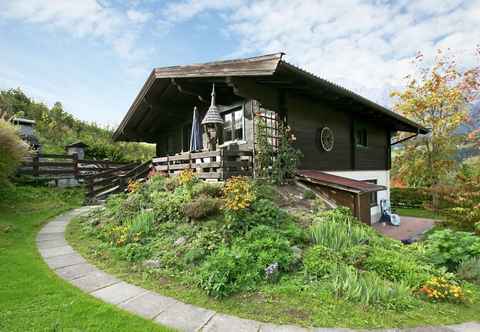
<point x="75" y="165"/>
<point x="90" y="186"/>
<point x="35" y="165"/>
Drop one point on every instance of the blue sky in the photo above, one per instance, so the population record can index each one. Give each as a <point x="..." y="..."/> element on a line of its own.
<point x="94" y="55"/>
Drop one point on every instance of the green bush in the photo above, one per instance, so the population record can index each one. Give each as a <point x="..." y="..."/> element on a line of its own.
<point x="242" y="265"/>
<point x="12" y="151"/>
<point x="469" y="270"/>
<point x="133" y="252"/>
<point x="227" y="271"/>
<point x="266" y="247"/>
<point x="202" y="207"/>
<point x="368" y="288"/>
<point x="169" y="206"/>
<point x="194" y="256"/>
<point x="320" y="261"/>
<point x="396" y="267"/>
<point x="155" y="183"/>
<point x="207" y="189"/>
<point x="265" y="212"/>
<point x="309" y="194"/>
<point x="291" y="230"/>
<point x="449" y="248"/>
<point x="410" y="197"/>
<point x="172" y="183"/>
<point x="355" y="255"/>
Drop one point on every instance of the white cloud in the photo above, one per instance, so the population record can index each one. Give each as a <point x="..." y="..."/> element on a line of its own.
<point x="365" y="45"/>
<point x="84" y="19"/>
<point x="137" y="16"/>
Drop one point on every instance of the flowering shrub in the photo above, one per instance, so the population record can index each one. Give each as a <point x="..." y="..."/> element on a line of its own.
<point x="133" y="186"/>
<point x="238" y="193"/>
<point x="439" y="289"/>
<point x="187" y="177"/>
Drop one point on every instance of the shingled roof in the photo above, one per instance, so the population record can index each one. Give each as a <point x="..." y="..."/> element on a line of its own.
<point x="270" y="69"/>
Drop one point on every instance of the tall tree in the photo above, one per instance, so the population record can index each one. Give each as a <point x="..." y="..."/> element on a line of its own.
<point x="439" y="98"/>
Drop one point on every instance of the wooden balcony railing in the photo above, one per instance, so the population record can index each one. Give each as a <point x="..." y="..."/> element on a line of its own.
<point x="220" y="164"/>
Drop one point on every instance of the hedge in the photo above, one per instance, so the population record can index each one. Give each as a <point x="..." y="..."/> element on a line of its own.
<point x="410" y="197"/>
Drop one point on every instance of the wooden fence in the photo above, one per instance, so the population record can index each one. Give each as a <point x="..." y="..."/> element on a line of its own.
<point x="103" y="177"/>
<point x="115" y="180"/>
<point x="64" y="166"/>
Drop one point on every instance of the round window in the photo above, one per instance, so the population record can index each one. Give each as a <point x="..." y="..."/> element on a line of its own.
<point x="325" y="139"/>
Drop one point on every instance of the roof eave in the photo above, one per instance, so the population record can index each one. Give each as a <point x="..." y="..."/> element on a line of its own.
<point x="414" y="126"/>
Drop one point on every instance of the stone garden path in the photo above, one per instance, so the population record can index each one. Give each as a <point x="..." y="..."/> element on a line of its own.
<point x="167" y="311"/>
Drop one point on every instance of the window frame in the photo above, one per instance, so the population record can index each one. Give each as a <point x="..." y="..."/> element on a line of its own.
<point x="364" y="133"/>
<point x="373" y="200"/>
<point x="232" y="110"/>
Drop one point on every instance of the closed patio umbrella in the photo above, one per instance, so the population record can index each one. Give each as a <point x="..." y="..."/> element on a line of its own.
<point x="196" y="134"/>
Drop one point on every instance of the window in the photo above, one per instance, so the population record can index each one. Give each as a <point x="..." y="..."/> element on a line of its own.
<point x="373" y="195"/>
<point x="233" y="126"/>
<point x="361" y="137"/>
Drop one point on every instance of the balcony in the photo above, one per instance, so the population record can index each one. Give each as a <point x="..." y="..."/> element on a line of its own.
<point x="209" y="165"/>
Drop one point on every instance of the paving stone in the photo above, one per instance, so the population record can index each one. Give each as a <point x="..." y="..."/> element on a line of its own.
<point x="118" y="293"/>
<point x="56" y="251"/>
<point x="52" y="229"/>
<point x="332" y="329"/>
<point x="50" y="236"/>
<point x="64" y="260"/>
<point x="184" y="317"/>
<point x="465" y="327"/>
<point x="220" y="323"/>
<point x="148" y="305"/>
<point x="51" y="244"/>
<point x="75" y="271"/>
<point x="266" y="327"/>
<point x="427" y="329"/>
<point x="94" y="280"/>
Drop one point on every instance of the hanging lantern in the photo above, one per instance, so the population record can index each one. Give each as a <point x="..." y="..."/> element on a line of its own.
<point x="213" y="123"/>
<point x="213" y="116"/>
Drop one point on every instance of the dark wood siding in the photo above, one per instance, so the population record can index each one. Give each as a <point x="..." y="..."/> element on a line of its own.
<point x="306" y="117"/>
<point x="373" y="156"/>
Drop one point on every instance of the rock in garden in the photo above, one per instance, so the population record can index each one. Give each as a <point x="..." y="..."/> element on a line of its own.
<point x="181" y="240"/>
<point x="152" y="263"/>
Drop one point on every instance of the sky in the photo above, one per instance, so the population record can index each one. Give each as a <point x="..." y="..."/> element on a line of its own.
<point x="95" y="55"/>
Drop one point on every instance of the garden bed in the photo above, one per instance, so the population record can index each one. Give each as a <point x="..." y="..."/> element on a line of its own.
<point x="233" y="250"/>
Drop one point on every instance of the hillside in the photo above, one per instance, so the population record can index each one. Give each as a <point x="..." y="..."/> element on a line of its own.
<point x="56" y="128"/>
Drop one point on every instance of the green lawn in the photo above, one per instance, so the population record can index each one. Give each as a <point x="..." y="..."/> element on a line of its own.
<point x="418" y="212"/>
<point x="33" y="298"/>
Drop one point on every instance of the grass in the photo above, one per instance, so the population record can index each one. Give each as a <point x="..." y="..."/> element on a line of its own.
<point x="284" y="303"/>
<point x="418" y="212"/>
<point x="32" y="297"/>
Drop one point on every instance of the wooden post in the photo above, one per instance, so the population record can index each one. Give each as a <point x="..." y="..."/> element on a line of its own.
<point x="90" y="187"/>
<point x="35" y="165"/>
<point x="168" y="165"/>
<point x="75" y="165"/>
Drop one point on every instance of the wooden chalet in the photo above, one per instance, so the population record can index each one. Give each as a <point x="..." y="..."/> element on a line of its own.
<point x="339" y="132"/>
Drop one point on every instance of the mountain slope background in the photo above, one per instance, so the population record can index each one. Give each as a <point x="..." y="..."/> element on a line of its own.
<point x="56" y="128"/>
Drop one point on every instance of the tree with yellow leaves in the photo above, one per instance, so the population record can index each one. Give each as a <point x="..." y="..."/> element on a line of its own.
<point x="439" y="98"/>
